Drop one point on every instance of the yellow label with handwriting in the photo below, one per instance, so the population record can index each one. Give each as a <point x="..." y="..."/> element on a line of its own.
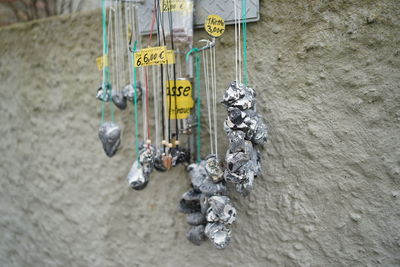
<point x="170" y="56"/>
<point x="175" y="5"/>
<point x="179" y="96"/>
<point x="102" y="62"/>
<point x="129" y="32"/>
<point x="214" y="25"/>
<point x="151" y="56"/>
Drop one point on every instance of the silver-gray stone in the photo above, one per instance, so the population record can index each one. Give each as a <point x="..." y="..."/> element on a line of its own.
<point x="209" y="188"/>
<point x="260" y="135"/>
<point x="236" y="178"/>
<point x="219" y="234"/>
<point x="196" y="218"/>
<point x="158" y="161"/>
<point x="136" y="178"/>
<point x="245" y="188"/>
<point x="221" y="210"/>
<point x="190" y="202"/>
<point x="236" y="141"/>
<point x="119" y="99"/>
<point x="204" y="204"/>
<point x="104" y="94"/>
<point x="146" y="158"/>
<point x="236" y="160"/>
<point x="213" y="168"/>
<point x="198" y="174"/>
<point x="129" y="92"/>
<point x="109" y="134"/>
<point x="195" y="234"/>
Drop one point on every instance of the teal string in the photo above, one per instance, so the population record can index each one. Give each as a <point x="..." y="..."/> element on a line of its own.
<point x="198" y="106"/>
<point x="135" y="106"/>
<point x="198" y="102"/>
<point x="244" y="26"/>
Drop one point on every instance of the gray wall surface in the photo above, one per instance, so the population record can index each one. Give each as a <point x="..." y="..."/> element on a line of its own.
<point x="327" y="77"/>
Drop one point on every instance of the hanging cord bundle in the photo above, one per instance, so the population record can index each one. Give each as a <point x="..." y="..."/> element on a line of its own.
<point x="109" y="132"/>
<point x="119" y="94"/>
<point x="138" y="176"/>
<point x="244" y="127"/>
<point x="209" y="211"/>
<point x="198" y="100"/>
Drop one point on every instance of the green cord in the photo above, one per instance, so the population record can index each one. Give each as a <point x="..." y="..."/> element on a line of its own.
<point x="198" y="102"/>
<point x="135" y="105"/>
<point x="244" y="26"/>
<point x="198" y="106"/>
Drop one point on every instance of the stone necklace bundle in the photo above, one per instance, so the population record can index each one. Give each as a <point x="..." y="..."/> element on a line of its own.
<point x="124" y="62"/>
<point x="171" y="153"/>
<point x="147" y="72"/>
<point x="209" y="210"/>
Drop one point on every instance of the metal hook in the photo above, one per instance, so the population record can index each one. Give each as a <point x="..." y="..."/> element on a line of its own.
<point x="210" y="44"/>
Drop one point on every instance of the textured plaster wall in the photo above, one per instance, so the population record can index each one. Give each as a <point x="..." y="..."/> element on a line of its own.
<point x="327" y="76"/>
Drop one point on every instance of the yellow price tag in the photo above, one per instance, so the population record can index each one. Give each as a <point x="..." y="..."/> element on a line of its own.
<point x="179" y="96"/>
<point x="129" y="32"/>
<point x="102" y="62"/>
<point x="174" y="5"/>
<point x="151" y="56"/>
<point x="170" y="56"/>
<point x="214" y="25"/>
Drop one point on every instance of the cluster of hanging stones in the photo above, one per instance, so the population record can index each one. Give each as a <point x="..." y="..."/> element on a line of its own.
<point x="246" y="131"/>
<point x="110" y="132"/>
<point x="209" y="211"/>
<point x="151" y="158"/>
<point x="119" y="97"/>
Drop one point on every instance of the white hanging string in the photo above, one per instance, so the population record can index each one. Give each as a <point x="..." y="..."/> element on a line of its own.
<point x="236" y="35"/>
<point x="116" y="45"/>
<point x="166" y="110"/>
<point x="144" y="115"/>
<point x="215" y="101"/>
<point x="211" y="54"/>
<point x="109" y="38"/>
<point x="207" y="87"/>
<point x="155" y="100"/>
<point x="127" y="32"/>
<point x="112" y="49"/>
<point x="239" y="9"/>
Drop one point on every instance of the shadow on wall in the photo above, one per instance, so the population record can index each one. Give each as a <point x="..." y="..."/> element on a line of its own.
<point x="16" y="11"/>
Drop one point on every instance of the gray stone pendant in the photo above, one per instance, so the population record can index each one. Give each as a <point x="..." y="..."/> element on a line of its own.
<point x="119" y="99"/>
<point x="129" y="92"/>
<point x="109" y="134"/>
<point x="104" y="94"/>
<point x="219" y="234"/>
<point x="208" y="211"/>
<point x="213" y="168"/>
<point x="136" y="178"/>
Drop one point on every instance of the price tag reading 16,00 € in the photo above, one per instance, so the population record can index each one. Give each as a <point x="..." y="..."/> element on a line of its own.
<point x="152" y="56"/>
<point x="214" y="25"/>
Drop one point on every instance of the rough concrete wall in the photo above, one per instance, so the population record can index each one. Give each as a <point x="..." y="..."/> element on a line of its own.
<point x="327" y="77"/>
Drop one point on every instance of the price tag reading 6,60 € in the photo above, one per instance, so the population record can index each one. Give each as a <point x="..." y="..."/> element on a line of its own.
<point x="151" y="56"/>
<point x="179" y="96"/>
<point x="214" y="25"/>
